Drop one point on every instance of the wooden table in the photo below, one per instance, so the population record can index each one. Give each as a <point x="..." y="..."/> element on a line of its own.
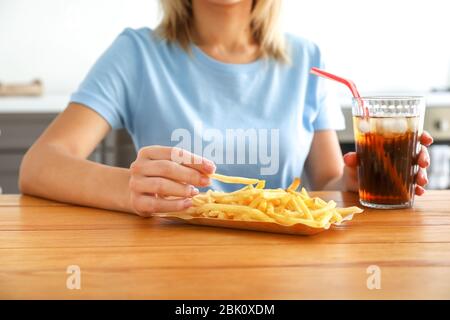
<point x="125" y="256"/>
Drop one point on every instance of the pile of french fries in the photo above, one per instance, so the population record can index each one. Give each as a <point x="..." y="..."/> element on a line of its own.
<point x="254" y="203"/>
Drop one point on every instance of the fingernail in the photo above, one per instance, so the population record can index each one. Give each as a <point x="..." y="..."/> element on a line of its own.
<point x="209" y="166"/>
<point x="194" y="191"/>
<point x="204" y="181"/>
<point x="187" y="203"/>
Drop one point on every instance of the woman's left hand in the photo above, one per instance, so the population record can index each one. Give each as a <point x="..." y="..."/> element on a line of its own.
<point x="350" y="177"/>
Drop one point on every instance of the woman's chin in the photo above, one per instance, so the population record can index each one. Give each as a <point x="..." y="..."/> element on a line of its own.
<point x="224" y="2"/>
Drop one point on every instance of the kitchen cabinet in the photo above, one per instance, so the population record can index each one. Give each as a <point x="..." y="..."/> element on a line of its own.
<point x="22" y="120"/>
<point x="18" y="131"/>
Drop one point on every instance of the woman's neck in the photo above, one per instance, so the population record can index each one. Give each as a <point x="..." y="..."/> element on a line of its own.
<point x="223" y="30"/>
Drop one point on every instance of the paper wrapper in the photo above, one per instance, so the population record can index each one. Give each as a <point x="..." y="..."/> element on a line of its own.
<point x="298" y="229"/>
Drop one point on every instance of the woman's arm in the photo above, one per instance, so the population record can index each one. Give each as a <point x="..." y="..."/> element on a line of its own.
<point x="56" y="167"/>
<point x="324" y="165"/>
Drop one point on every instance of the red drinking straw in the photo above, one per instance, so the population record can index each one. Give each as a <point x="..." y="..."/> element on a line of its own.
<point x="349" y="83"/>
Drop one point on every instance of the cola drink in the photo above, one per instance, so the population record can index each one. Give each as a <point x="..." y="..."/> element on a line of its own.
<point x="387" y="149"/>
<point x="387" y="132"/>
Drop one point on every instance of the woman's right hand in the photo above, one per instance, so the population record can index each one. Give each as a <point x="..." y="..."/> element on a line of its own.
<point x="160" y="172"/>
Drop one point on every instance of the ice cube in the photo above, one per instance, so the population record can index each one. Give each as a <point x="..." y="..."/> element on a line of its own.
<point x="392" y="125"/>
<point x="383" y="125"/>
<point x="413" y="124"/>
<point x="363" y="126"/>
<point x="373" y="124"/>
<point x="400" y="125"/>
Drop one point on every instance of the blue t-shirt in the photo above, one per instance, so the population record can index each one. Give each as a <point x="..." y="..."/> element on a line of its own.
<point x="254" y="120"/>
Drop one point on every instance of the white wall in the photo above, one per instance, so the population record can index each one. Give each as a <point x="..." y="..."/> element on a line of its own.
<point x="384" y="45"/>
<point x="58" y="40"/>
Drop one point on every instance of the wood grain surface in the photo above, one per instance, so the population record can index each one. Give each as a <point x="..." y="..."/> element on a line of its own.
<point x="125" y="256"/>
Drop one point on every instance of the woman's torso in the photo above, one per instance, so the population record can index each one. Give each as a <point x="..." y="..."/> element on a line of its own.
<point x="253" y="120"/>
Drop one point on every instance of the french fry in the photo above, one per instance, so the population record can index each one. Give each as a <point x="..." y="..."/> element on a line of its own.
<point x="237" y="180"/>
<point x="254" y="203"/>
<point x="295" y="184"/>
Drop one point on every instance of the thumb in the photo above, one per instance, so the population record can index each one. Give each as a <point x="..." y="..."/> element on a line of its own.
<point x="350" y="159"/>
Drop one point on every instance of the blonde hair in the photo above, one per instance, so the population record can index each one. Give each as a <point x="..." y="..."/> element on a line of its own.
<point x="177" y="25"/>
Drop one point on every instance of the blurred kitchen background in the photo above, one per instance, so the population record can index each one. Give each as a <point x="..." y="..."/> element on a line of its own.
<point x="385" y="46"/>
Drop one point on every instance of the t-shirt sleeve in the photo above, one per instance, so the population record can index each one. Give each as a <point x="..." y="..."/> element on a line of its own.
<point x="107" y="87"/>
<point x="329" y="115"/>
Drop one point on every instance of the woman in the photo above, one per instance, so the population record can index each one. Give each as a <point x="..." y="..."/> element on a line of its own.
<point x="216" y="64"/>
